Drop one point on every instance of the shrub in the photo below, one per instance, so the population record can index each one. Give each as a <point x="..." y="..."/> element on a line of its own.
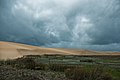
<point x="99" y="73"/>
<point x="86" y="74"/>
<point x="57" y="67"/>
<point x="106" y="76"/>
<point x="76" y="74"/>
<point x="42" y="66"/>
<point x="88" y="60"/>
<point x="24" y="63"/>
<point x="61" y="67"/>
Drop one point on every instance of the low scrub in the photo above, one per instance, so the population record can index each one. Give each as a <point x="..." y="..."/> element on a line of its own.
<point x="86" y="74"/>
<point x="87" y="60"/>
<point x="24" y="63"/>
<point x="62" y="67"/>
<point x="42" y="66"/>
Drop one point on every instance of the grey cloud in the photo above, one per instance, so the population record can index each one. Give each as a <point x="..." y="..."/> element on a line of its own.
<point x="87" y="24"/>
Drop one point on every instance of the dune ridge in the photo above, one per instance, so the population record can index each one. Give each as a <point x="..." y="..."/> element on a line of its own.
<point x="11" y="50"/>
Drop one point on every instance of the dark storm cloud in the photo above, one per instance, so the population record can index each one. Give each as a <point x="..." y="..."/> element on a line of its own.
<point x="87" y="24"/>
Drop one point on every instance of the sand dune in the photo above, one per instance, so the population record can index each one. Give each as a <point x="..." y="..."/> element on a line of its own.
<point x="10" y="50"/>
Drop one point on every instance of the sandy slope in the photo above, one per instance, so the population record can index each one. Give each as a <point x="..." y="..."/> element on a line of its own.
<point x="10" y="50"/>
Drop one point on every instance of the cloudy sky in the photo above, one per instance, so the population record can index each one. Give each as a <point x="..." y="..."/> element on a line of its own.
<point x="84" y="24"/>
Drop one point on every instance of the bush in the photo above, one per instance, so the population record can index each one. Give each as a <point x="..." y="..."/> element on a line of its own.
<point x="57" y="67"/>
<point x="76" y="74"/>
<point x="61" y="67"/>
<point x="9" y="73"/>
<point x="24" y="63"/>
<point x="42" y="66"/>
<point x="106" y="76"/>
<point x="86" y="74"/>
<point x="88" y="60"/>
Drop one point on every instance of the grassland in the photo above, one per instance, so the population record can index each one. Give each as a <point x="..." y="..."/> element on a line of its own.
<point x="61" y="67"/>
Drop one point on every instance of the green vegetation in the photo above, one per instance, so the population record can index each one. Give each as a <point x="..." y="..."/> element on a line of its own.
<point x="61" y="67"/>
<point x="83" y="73"/>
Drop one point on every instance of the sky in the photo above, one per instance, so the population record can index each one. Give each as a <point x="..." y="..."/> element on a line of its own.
<point x="82" y="24"/>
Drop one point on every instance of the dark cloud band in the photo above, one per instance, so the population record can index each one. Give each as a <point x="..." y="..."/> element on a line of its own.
<point x="84" y="24"/>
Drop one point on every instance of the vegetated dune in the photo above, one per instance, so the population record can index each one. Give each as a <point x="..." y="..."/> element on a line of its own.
<point x="10" y="50"/>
